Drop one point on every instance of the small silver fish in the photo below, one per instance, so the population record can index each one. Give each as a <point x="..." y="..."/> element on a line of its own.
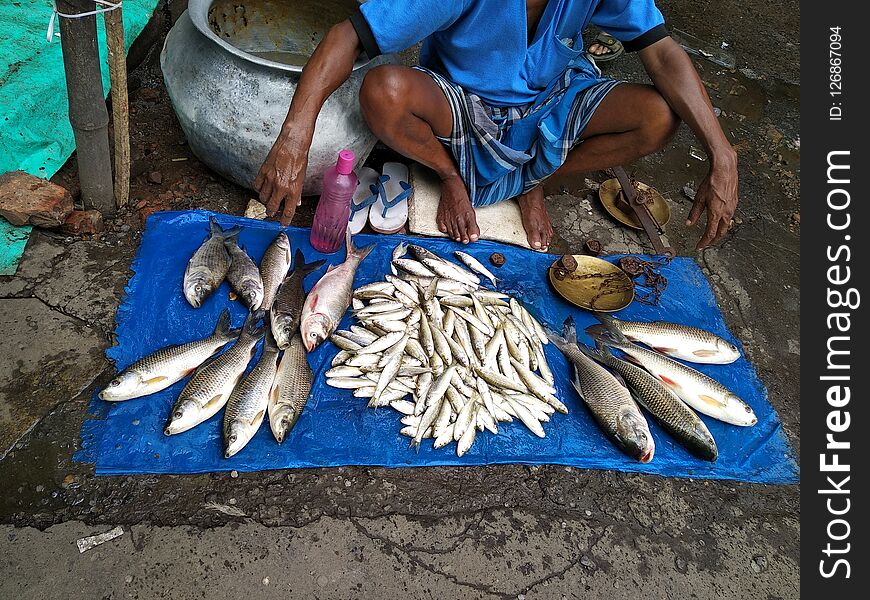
<point x="476" y="266"/>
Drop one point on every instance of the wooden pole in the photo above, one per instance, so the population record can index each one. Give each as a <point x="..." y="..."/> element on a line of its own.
<point x="120" y="103"/>
<point x="87" y="105"/>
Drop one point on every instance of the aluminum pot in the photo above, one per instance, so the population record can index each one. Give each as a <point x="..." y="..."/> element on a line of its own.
<point x="231" y="68"/>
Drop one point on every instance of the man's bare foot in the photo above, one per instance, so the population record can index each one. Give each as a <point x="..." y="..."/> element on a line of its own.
<point x="456" y="216"/>
<point x="536" y="220"/>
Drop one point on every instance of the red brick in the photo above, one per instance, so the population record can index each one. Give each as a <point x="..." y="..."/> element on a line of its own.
<point x="25" y="199"/>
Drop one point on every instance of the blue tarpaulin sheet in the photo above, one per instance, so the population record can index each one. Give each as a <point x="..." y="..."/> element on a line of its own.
<point x="338" y="429"/>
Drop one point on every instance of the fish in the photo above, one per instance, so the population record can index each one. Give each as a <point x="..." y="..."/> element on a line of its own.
<point x="672" y="413"/>
<point x="701" y="392"/>
<point x="286" y="311"/>
<point x="169" y="365"/>
<point x="210" y="387"/>
<point x="330" y="297"/>
<point x="274" y="267"/>
<point x="208" y="266"/>
<point x="409" y="265"/>
<point x="249" y="401"/>
<point x="398" y="252"/>
<point x="476" y="266"/>
<point x="608" y="400"/>
<point x="677" y="341"/>
<point x="243" y="275"/>
<point x="290" y="390"/>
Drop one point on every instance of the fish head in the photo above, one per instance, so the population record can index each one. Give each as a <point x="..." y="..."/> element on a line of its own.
<point x="633" y="434"/>
<point x="252" y="294"/>
<point x="282" y="332"/>
<point x="236" y="437"/>
<point x="283" y="421"/>
<point x="740" y="412"/>
<point x="315" y="328"/>
<point x="122" y="387"/>
<point x="197" y="287"/>
<point x="728" y="351"/>
<point x="185" y="414"/>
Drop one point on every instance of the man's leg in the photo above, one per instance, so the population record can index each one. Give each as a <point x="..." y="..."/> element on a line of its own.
<point x="632" y="121"/>
<point x="406" y="109"/>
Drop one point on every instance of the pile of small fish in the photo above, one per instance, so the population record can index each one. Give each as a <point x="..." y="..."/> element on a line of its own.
<point x="277" y="387"/>
<point x="668" y="389"/>
<point x="468" y="357"/>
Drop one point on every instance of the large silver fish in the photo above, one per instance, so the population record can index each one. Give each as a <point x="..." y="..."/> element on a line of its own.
<point x="672" y="413"/>
<point x="244" y="276"/>
<point x="679" y="341"/>
<point x="247" y="404"/>
<point x="286" y="311"/>
<point x="609" y="401"/>
<point x="171" y="364"/>
<point x="274" y="266"/>
<point x="210" y="387"/>
<point x="290" y="390"/>
<point x="703" y="393"/>
<point x="208" y="266"/>
<point x="330" y="297"/>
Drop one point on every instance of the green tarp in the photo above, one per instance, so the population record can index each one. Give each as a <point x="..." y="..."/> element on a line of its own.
<point x="35" y="134"/>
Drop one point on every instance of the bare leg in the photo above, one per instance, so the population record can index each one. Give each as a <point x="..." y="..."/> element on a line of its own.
<point x="406" y="110"/>
<point x="632" y="121"/>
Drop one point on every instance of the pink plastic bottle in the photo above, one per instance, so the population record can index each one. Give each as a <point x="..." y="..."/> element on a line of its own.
<point x="333" y="208"/>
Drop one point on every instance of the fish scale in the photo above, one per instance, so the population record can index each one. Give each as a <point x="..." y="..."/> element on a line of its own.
<point x="249" y="400"/>
<point x="671" y="412"/>
<point x="209" y="388"/>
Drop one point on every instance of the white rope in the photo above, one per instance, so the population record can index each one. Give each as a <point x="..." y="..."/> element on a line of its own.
<point x="109" y="6"/>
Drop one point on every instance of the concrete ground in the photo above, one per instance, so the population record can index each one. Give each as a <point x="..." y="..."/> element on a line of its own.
<point x="495" y="532"/>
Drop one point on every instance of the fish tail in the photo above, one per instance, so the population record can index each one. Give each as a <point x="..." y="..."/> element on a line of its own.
<point x="303" y="267"/>
<point x="270" y="345"/>
<point x="252" y="326"/>
<point x="213" y="226"/>
<point x="607" y="335"/>
<point x="232" y="235"/>
<point x="352" y="250"/>
<point x="569" y="330"/>
<point x="222" y="327"/>
<point x="606" y="319"/>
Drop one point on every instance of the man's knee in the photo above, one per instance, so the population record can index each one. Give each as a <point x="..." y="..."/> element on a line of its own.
<point x="383" y="92"/>
<point x="660" y="123"/>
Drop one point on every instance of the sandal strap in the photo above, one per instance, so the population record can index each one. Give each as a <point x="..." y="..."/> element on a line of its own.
<point x="406" y="192"/>
<point x="356" y="207"/>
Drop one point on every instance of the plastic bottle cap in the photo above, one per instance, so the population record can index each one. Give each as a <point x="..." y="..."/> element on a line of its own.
<point x="345" y="162"/>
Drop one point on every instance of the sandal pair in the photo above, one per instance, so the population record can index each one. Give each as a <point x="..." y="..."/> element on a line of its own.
<point x="381" y="200"/>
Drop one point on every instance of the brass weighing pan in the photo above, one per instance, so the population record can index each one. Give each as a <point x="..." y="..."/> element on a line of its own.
<point x="591" y="283"/>
<point x="615" y="204"/>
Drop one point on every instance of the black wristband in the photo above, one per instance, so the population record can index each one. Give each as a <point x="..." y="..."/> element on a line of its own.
<point x="649" y="38"/>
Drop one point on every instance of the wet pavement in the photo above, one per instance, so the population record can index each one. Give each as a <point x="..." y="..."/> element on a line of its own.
<point x="497" y="532"/>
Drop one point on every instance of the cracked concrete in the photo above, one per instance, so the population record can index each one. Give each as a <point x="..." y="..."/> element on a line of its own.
<point x="505" y="531"/>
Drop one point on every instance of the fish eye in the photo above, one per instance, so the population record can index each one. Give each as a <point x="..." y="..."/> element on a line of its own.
<point x="115" y="383"/>
<point x="197" y="287"/>
<point x="178" y="414"/>
<point x="233" y="438"/>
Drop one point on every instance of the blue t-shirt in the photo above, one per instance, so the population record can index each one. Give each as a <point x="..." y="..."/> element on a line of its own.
<point x="483" y="45"/>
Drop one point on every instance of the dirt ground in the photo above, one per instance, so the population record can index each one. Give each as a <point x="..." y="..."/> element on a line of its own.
<point x="505" y="531"/>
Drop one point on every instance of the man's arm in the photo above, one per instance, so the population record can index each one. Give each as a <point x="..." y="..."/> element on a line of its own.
<point x="675" y="77"/>
<point x="281" y="177"/>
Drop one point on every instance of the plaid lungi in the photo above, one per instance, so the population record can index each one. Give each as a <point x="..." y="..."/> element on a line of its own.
<point x="503" y="152"/>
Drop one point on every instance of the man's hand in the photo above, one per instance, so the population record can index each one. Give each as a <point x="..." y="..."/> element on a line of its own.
<point x="718" y="193"/>
<point x="281" y="177"/>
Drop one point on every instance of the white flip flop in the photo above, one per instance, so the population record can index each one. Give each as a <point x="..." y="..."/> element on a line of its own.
<point x="366" y="194"/>
<point x="389" y="213"/>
